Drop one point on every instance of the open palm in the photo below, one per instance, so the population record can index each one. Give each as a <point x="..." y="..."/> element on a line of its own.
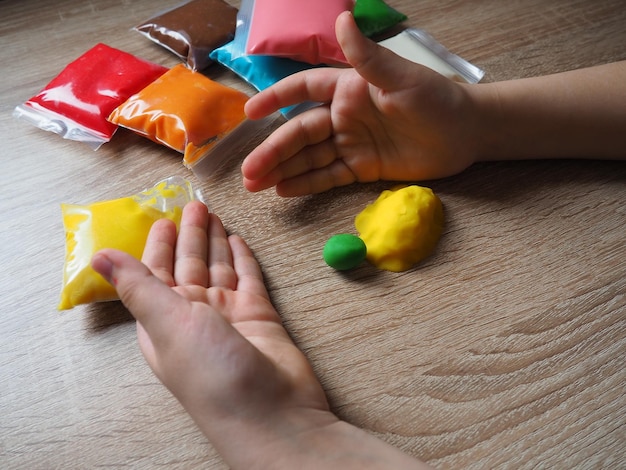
<point x="206" y="325"/>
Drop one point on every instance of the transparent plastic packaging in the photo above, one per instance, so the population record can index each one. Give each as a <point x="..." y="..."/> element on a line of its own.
<point x="77" y="102"/>
<point x="69" y="129"/>
<point x="121" y="223"/>
<point x="420" y="47"/>
<point x="192" y="29"/>
<point x="301" y="30"/>
<point x="206" y="164"/>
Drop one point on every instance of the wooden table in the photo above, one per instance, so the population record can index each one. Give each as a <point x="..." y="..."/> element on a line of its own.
<point x="505" y="349"/>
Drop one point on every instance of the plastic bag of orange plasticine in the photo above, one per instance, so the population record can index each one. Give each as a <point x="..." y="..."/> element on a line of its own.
<point x="183" y="110"/>
<point x="118" y="223"/>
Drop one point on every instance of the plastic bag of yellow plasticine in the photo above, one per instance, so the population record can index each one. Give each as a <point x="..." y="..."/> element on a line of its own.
<point x="121" y="223"/>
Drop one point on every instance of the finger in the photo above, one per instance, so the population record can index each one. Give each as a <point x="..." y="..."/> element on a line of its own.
<point x="249" y="275"/>
<point x="221" y="270"/>
<point x="312" y="127"/>
<point x="158" y="254"/>
<point x="309" y="159"/>
<point x="375" y="63"/>
<point x="317" y="85"/>
<point x="316" y="181"/>
<point x="190" y="268"/>
<point x="149" y="300"/>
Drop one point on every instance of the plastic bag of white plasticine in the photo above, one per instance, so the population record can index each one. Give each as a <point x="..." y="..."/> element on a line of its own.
<point x="420" y="47"/>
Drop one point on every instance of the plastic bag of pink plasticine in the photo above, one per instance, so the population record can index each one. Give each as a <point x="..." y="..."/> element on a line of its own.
<point x="301" y="30"/>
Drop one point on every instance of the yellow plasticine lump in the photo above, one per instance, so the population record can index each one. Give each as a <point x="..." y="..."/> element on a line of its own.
<point x="401" y="227"/>
<point x="119" y="223"/>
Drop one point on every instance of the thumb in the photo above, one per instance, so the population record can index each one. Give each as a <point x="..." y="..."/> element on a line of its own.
<point x="375" y="63"/>
<point x="149" y="299"/>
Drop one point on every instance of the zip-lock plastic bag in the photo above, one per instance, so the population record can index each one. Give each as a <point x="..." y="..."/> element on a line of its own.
<point x="301" y="30"/>
<point x="375" y="16"/>
<point x="77" y="102"/>
<point x="420" y="47"/>
<point x="262" y="71"/>
<point x="118" y="223"/>
<point x="183" y="110"/>
<point x="206" y="164"/>
<point x="192" y="29"/>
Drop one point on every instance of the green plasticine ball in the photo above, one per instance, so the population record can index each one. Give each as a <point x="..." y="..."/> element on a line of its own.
<point x="344" y="251"/>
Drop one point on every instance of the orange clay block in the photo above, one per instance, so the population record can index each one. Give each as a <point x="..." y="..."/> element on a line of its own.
<point x="401" y="227"/>
<point x="183" y="110"/>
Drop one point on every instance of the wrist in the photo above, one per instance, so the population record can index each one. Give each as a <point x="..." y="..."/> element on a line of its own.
<point x="302" y="438"/>
<point x="488" y="132"/>
<point x="277" y="439"/>
<point x="576" y="114"/>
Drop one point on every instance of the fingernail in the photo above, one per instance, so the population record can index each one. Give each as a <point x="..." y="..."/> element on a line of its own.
<point x="103" y="266"/>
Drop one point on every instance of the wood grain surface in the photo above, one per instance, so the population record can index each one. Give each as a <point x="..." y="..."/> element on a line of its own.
<point x="506" y="349"/>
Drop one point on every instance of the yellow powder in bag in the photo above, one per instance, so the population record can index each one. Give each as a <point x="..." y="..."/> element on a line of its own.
<point x="123" y="224"/>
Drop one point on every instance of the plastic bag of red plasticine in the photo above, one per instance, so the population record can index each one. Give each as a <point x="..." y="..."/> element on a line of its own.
<point x="77" y="102"/>
<point x="301" y="30"/>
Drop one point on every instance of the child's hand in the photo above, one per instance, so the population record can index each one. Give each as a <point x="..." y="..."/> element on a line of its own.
<point x="208" y="330"/>
<point x="387" y="118"/>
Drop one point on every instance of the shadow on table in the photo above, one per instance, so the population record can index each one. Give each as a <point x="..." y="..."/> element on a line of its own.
<point x="504" y="182"/>
<point x="102" y="316"/>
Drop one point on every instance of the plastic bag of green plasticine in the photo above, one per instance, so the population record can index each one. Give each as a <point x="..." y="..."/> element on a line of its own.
<point x="375" y="16"/>
<point x="121" y="223"/>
